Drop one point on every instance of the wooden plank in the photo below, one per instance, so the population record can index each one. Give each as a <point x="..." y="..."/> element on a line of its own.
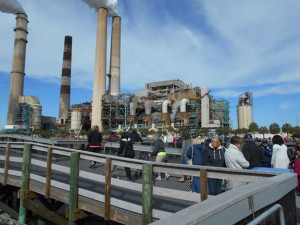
<point x="44" y="212"/>
<point x="73" y="196"/>
<point x="92" y="158"/>
<point x="6" y="163"/>
<point x="39" y="148"/>
<point x="159" y="214"/>
<point x="203" y="183"/>
<point x="107" y="189"/>
<point x="37" y="162"/>
<point x="37" y="178"/>
<point x="2" y="157"/>
<point x="48" y="173"/>
<point x="92" y="176"/>
<point x="15" y="173"/>
<point x="13" y="213"/>
<point x="59" y="152"/>
<point x="147" y="193"/>
<point x="15" y="159"/>
<point x="131" y="207"/>
<point x="128" y="164"/>
<point x="21" y="145"/>
<point x="90" y="194"/>
<point x="60" y="185"/>
<point x="176" y="194"/>
<point x="24" y="181"/>
<point x="63" y="169"/>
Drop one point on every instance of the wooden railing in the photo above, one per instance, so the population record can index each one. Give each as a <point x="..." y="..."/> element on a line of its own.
<point x="61" y="181"/>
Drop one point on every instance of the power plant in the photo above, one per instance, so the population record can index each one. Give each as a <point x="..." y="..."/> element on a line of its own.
<point x="244" y="110"/>
<point x="163" y="104"/>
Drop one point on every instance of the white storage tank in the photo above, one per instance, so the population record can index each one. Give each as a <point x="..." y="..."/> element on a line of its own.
<point x="76" y="119"/>
<point x="36" y="116"/>
<point x="244" y="116"/>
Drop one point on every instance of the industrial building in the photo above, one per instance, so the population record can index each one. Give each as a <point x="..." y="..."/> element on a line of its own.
<point x="244" y="110"/>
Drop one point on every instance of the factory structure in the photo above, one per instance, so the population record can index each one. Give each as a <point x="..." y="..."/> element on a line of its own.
<point x="160" y="105"/>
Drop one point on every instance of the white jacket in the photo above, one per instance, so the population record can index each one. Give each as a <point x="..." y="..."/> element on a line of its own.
<point x="234" y="158"/>
<point x="280" y="158"/>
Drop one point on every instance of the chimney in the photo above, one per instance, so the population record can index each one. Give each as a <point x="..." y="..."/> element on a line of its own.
<point x="100" y="68"/>
<point x="64" y="102"/>
<point x="115" y="56"/>
<point x="18" y="67"/>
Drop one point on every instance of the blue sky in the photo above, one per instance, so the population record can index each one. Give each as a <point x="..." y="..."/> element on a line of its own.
<point x="229" y="46"/>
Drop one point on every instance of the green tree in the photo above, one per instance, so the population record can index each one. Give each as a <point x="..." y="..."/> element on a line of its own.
<point x="227" y="130"/>
<point x="204" y="131"/>
<point x="253" y="127"/>
<point x="263" y="130"/>
<point x="287" y="128"/>
<point x="220" y="131"/>
<point x="274" y="128"/>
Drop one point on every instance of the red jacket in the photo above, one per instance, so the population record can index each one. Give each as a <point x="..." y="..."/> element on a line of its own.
<point x="297" y="170"/>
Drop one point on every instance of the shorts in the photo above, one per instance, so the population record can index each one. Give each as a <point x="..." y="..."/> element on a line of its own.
<point x="97" y="150"/>
<point x="160" y="158"/>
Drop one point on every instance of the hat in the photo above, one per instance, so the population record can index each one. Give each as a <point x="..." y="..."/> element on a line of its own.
<point x="265" y="140"/>
<point x="248" y="137"/>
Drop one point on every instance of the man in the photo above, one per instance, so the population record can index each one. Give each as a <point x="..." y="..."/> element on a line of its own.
<point x="267" y="149"/>
<point x="213" y="155"/>
<point x="253" y="153"/>
<point x="159" y="153"/>
<point x="135" y="137"/>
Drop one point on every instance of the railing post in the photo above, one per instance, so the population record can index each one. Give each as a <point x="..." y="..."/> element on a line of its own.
<point x="107" y="189"/>
<point x="147" y="193"/>
<point x="6" y="163"/>
<point x="73" y="193"/>
<point x="203" y="183"/>
<point x="48" y="173"/>
<point x="24" y="181"/>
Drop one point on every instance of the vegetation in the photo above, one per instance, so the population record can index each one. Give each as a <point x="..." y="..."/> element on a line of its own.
<point x="263" y="130"/>
<point x="287" y="128"/>
<point x="253" y="127"/>
<point x="274" y="128"/>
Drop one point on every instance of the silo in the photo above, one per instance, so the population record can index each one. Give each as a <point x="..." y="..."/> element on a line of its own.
<point x="76" y="119"/>
<point x="245" y="108"/>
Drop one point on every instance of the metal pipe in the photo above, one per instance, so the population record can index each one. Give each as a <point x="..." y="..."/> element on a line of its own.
<point x="132" y="106"/>
<point x="64" y="102"/>
<point x="267" y="213"/>
<point x="165" y="106"/>
<point x="18" y="67"/>
<point x="183" y="103"/>
<point x="204" y="106"/>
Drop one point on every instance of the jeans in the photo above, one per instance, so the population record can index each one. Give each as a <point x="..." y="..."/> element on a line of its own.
<point x="214" y="186"/>
<point x="196" y="184"/>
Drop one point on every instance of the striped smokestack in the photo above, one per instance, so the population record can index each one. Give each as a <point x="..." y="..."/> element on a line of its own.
<point x="18" y="67"/>
<point x="64" y="103"/>
<point x="115" y="56"/>
<point x="100" y="68"/>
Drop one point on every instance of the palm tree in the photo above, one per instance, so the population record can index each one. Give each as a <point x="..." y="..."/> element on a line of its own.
<point x="286" y="128"/>
<point x="263" y="130"/>
<point x="274" y="128"/>
<point x="253" y="127"/>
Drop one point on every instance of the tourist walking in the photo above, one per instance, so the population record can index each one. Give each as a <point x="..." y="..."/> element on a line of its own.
<point x="213" y="155"/>
<point x="253" y="153"/>
<point x="186" y="143"/>
<point x="135" y="137"/>
<point x="280" y="157"/>
<point x="126" y="150"/>
<point x="94" y="139"/>
<point x="195" y="152"/>
<point x="268" y="150"/>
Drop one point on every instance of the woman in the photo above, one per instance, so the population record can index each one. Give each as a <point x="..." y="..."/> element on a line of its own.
<point x="126" y="150"/>
<point x="186" y="143"/>
<point x="280" y="157"/>
<point x="195" y="153"/>
<point x="94" y="139"/>
<point x="297" y="167"/>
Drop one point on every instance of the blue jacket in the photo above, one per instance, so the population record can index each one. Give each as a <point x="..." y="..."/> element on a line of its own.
<point x="268" y="154"/>
<point x="197" y="155"/>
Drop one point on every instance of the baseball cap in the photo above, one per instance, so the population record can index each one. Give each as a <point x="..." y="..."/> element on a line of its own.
<point x="248" y="137"/>
<point x="265" y="140"/>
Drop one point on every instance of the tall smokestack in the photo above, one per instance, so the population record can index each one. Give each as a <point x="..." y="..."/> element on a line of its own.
<point x="115" y="56"/>
<point x="100" y="68"/>
<point x="18" y="67"/>
<point x="64" y="103"/>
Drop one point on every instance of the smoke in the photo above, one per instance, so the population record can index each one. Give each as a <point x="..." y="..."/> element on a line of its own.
<point x="11" y="6"/>
<point x="111" y="5"/>
<point x="175" y="108"/>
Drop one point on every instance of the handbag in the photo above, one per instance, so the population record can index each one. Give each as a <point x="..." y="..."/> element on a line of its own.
<point x="190" y="161"/>
<point x="124" y="151"/>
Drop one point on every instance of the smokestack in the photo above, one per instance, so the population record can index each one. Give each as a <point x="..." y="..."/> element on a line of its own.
<point x="18" y="67"/>
<point x="204" y="106"/>
<point x="115" y="56"/>
<point x="100" y="68"/>
<point x="64" y="102"/>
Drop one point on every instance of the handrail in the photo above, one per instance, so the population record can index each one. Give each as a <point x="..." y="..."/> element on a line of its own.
<point x="267" y="213"/>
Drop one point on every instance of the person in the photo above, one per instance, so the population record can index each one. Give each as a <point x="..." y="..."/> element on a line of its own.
<point x="186" y="143"/>
<point x="135" y="137"/>
<point x="267" y="149"/>
<point x="113" y="137"/>
<point x="280" y="157"/>
<point x="213" y="155"/>
<point x="170" y="140"/>
<point x="253" y="153"/>
<point x="297" y="167"/>
<point x="234" y="158"/>
<point x="126" y="150"/>
<point x="195" y="152"/>
<point x="159" y="153"/>
<point x="94" y="139"/>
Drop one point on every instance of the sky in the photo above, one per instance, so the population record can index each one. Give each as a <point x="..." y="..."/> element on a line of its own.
<point x="230" y="46"/>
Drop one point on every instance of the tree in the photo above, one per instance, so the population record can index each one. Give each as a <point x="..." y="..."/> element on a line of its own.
<point x="287" y="128"/>
<point x="219" y="131"/>
<point x="253" y="127"/>
<point x="204" y="131"/>
<point x="274" y="128"/>
<point x="263" y="130"/>
<point x="227" y="130"/>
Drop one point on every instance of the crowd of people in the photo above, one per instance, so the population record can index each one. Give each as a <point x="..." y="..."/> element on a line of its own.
<point x="241" y="153"/>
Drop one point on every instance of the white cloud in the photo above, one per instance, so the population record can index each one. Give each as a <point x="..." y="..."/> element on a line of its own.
<point x="288" y="105"/>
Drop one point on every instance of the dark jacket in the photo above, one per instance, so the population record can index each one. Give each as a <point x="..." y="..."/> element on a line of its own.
<point x="268" y="154"/>
<point x="212" y="157"/>
<point x="158" y="146"/>
<point x="197" y="152"/>
<point x="128" y="148"/>
<point x="253" y="154"/>
<point x="95" y="138"/>
<point x="135" y="137"/>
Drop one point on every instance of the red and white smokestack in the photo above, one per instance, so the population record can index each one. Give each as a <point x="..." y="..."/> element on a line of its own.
<point x="64" y="103"/>
<point x="18" y="67"/>
<point x="100" y="68"/>
<point x="115" y="56"/>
